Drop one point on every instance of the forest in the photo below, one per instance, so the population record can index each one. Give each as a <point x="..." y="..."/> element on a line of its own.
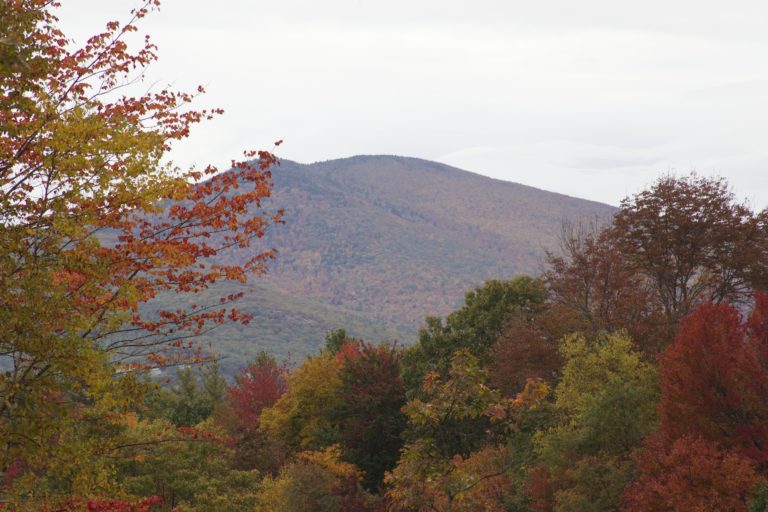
<point x="630" y="374"/>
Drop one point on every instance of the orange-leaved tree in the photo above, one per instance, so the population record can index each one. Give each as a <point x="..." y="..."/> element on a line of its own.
<point x="93" y="224"/>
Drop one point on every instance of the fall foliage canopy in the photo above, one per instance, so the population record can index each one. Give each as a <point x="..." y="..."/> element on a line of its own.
<point x="95" y="223"/>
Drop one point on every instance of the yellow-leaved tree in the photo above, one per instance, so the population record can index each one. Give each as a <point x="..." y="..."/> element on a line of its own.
<point x="93" y="224"/>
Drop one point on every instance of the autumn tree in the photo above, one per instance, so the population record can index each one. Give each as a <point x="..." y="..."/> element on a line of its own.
<point x="304" y="416"/>
<point x="317" y="481"/>
<point x="713" y="415"/>
<point x="369" y="414"/>
<point x="593" y="289"/>
<point x="695" y="243"/>
<point x="257" y="387"/>
<point x="93" y="224"/>
<point x="683" y="242"/>
<point x="436" y="472"/>
<point x="690" y="475"/>
<point x="714" y="380"/>
<point x="523" y="351"/>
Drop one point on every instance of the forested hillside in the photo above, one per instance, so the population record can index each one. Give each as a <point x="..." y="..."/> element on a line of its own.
<point x="391" y="240"/>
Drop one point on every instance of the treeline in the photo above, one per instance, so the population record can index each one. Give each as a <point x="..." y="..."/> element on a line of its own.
<point x="631" y="375"/>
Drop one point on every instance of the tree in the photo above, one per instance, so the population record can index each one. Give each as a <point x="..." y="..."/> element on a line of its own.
<point x="474" y="326"/>
<point x="317" y="481"/>
<point x="690" y="475"/>
<point x="257" y="387"/>
<point x="303" y="417"/>
<point x="191" y="399"/>
<point x="593" y="290"/>
<point x="681" y="243"/>
<point x="605" y="404"/>
<point x="439" y="469"/>
<point x="690" y="238"/>
<point x="189" y="468"/>
<point x="523" y="351"/>
<point x="714" y="380"/>
<point x="334" y="340"/>
<point x="93" y="225"/>
<point x="369" y="415"/>
<point x="711" y="447"/>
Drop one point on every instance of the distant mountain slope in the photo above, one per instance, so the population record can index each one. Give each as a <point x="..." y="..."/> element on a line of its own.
<point x="398" y="238"/>
<point x="285" y="325"/>
<point x="394" y="239"/>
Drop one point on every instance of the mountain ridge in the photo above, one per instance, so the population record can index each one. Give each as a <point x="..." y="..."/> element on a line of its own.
<point x="385" y="156"/>
<point x="393" y="239"/>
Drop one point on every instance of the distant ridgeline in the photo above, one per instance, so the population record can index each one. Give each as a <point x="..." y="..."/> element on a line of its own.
<point x="374" y="244"/>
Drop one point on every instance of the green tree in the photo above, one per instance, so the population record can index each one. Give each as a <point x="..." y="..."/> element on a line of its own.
<point x="192" y="398"/>
<point x="190" y="468"/>
<point x="475" y="326"/>
<point x="334" y="340"/>
<point x="605" y="403"/>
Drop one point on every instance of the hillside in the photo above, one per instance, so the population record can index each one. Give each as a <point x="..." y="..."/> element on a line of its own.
<point x="376" y="243"/>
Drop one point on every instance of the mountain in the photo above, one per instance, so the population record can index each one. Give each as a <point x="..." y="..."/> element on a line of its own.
<point x="376" y="243"/>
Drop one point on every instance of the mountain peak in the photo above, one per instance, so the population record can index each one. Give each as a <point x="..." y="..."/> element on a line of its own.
<point x="394" y="239"/>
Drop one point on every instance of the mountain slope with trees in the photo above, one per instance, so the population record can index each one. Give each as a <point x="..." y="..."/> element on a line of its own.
<point x="394" y="239"/>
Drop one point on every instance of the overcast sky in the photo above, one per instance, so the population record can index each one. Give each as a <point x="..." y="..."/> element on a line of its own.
<point x="590" y="98"/>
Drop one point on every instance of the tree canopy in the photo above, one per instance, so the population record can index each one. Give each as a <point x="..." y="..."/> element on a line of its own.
<point x="94" y="223"/>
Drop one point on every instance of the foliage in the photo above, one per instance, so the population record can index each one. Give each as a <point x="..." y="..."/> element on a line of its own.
<point x="592" y="484"/>
<point x="86" y="239"/>
<point x="107" y="262"/>
<point x="475" y="326"/>
<point x="438" y="470"/>
<point x="143" y="505"/>
<point x="605" y="402"/>
<point x="691" y="239"/>
<point x="677" y="245"/>
<point x="302" y="418"/>
<point x="318" y="481"/>
<point x="106" y="505"/>
<point x="334" y="340"/>
<point x="714" y="380"/>
<point x="191" y="399"/>
<point x="256" y="387"/>
<point x="690" y="475"/>
<point x="369" y="415"/>
<point x="523" y="351"/>
<point x="594" y="290"/>
<point x="185" y="466"/>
